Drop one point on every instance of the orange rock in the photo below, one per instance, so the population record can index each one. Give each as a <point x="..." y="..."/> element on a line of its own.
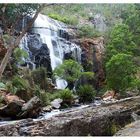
<point x="11" y="98"/>
<point x="108" y="95"/>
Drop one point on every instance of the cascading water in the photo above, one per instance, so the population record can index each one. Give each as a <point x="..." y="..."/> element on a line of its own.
<point x="54" y="34"/>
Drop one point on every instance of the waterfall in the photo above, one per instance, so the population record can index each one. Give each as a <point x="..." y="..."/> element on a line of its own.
<point x="54" y="34"/>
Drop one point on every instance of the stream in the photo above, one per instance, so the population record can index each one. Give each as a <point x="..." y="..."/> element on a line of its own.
<point x="53" y="113"/>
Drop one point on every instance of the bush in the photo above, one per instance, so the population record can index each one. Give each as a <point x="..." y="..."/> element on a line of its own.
<point x="19" y="54"/>
<point x="2" y="85"/>
<point x="17" y="84"/>
<point x="86" y="93"/>
<point x="88" y="31"/>
<point x="20" y="87"/>
<point x="43" y="96"/>
<point x="70" y="70"/>
<point x="88" y="75"/>
<point x="40" y="77"/>
<point x="68" y="20"/>
<point x="67" y="96"/>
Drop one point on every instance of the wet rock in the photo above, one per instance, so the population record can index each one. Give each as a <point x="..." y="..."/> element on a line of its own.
<point x="56" y="103"/>
<point x="47" y="108"/>
<point x="31" y="109"/>
<point x="42" y="58"/>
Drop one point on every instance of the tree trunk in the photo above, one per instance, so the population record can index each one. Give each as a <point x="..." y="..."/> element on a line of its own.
<point x="5" y="60"/>
<point x="16" y="43"/>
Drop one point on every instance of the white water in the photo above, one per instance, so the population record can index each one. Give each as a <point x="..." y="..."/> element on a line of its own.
<point x="48" y="29"/>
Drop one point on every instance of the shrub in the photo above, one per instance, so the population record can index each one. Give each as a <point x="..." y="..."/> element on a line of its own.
<point x="17" y="84"/>
<point x="20" y="87"/>
<point x="67" y="96"/>
<point x="70" y="70"/>
<point x="43" y="96"/>
<point x="19" y="54"/>
<point x="2" y="85"/>
<point x="88" y="31"/>
<point x="68" y="20"/>
<point x="40" y="77"/>
<point x="88" y="75"/>
<point x="86" y="93"/>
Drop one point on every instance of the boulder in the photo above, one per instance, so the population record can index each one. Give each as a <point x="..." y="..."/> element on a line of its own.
<point x="11" y="109"/>
<point x="108" y="95"/>
<point x="56" y="103"/>
<point x="47" y="108"/>
<point x="31" y="109"/>
<point x="11" y="98"/>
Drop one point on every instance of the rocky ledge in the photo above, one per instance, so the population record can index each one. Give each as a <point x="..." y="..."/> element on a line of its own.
<point x="103" y="120"/>
<point x="132" y="129"/>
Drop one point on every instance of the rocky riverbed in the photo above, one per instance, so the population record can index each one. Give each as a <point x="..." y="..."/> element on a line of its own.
<point x="104" y="120"/>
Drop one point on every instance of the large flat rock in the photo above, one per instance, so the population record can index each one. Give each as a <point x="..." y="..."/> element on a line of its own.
<point x="103" y="120"/>
<point x="132" y="129"/>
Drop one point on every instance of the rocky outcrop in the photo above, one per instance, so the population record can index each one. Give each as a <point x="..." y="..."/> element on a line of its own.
<point x="104" y="120"/>
<point x="92" y="58"/>
<point x="132" y="129"/>
<point x="16" y="108"/>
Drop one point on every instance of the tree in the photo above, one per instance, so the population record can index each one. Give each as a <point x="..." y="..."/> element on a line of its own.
<point x="131" y="16"/>
<point x="121" y="41"/>
<point x="120" y="72"/>
<point x="11" y="15"/>
<point x="70" y="70"/>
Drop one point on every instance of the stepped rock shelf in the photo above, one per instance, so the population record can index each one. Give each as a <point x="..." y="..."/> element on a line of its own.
<point x="104" y="120"/>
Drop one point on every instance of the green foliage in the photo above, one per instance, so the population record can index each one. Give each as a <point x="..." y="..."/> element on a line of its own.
<point x="66" y="95"/>
<point x="40" y="77"/>
<point x="19" y="54"/>
<point x="120" y="72"/>
<point x="17" y="84"/>
<point x="68" y="20"/>
<point x="88" y="31"/>
<point x="88" y="75"/>
<point x="86" y="93"/>
<point x="15" y="11"/>
<point x="2" y="85"/>
<point x="70" y="70"/>
<point x="43" y="96"/>
<point x="120" y="41"/>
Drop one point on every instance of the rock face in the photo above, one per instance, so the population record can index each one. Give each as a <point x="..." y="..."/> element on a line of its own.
<point x="95" y="121"/>
<point x="92" y="57"/>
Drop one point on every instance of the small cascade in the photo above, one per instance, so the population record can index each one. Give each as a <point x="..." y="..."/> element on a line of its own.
<point x="55" y="35"/>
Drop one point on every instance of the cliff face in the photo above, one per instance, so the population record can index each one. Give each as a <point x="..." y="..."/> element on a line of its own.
<point x="92" y="58"/>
